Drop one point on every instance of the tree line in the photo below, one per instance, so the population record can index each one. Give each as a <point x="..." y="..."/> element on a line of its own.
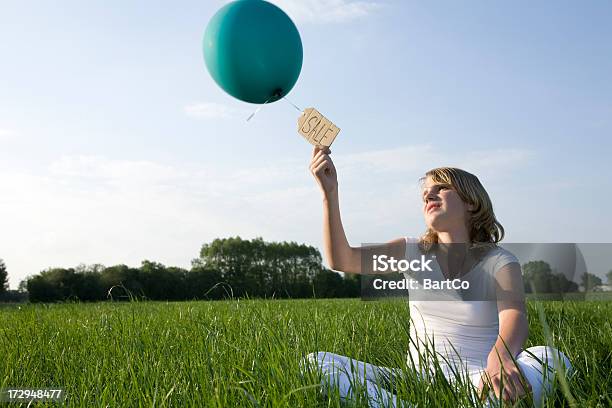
<point x="225" y="268"/>
<point x="538" y="277"/>
<point x="232" y="268"/>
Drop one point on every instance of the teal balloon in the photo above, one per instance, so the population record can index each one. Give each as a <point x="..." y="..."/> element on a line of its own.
<point x="253" y="51"/>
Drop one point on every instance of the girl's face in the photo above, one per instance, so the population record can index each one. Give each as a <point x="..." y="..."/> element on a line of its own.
<point x="443" y="209"/>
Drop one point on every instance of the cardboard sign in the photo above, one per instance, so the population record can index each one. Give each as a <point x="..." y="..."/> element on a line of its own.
<point x="316" y="128"/>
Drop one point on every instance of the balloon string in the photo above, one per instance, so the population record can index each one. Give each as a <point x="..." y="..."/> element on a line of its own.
<point x="292" y="104"/>
<point x="258" y="108"/>
<point x="261" y="106"/>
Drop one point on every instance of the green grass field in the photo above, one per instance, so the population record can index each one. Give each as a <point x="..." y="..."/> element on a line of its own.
<point x="246" y="352"/>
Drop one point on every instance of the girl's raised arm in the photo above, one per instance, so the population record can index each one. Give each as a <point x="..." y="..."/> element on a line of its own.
<point x="339" y="254"/>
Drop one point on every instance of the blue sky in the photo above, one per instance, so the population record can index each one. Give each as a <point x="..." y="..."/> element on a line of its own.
<point x="117" y="146"/>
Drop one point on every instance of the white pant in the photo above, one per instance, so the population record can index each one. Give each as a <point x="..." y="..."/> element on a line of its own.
<point x="344" y="372"/>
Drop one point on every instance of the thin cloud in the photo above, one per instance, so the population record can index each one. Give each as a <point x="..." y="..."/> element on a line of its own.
<point x="211" y="110"/>
<point x="7" y="134"/>
<point x="383" y="186"/>
<point x="420" y="158"/>
<point x="327" y="11"/>
<point x="93" y="209"/>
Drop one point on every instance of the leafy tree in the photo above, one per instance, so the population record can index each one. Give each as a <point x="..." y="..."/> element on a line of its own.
<point x="589" y="281"/>
<point x="328" y="284"/>
<point x="536" y="276"/>
<point x="352" y="285"/>
<point x="121" y="282"/>
<point x="161" y="283"/>
<point x="609" y="277"/>
<point x="23" y="286"/>
<point x="88" y="284"/>
<point x="539" y="278"/>
<point x="41" y="289"/>
<point x="560" y="284"/>
<point x="176" y="277"/>
<point x="231" y="258"/>
<point x="263" y="269"/>
<point x="4" y="285"/>
<point x="203" y="282"/>
<point x="64" y="280"/>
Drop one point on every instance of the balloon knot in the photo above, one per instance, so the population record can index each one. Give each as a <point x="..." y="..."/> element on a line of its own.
<point x="278" y="93"/>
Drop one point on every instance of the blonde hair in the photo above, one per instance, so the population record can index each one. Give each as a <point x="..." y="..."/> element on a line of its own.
<point x="484" y="229"/>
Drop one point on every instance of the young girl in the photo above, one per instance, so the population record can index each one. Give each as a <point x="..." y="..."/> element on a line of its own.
<point x="482" y="337"/>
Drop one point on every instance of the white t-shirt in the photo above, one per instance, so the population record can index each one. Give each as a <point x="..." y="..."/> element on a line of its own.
<point x="462" y="331"/>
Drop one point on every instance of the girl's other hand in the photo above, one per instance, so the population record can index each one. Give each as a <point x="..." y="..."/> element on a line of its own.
<point x="514" y="384"/>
